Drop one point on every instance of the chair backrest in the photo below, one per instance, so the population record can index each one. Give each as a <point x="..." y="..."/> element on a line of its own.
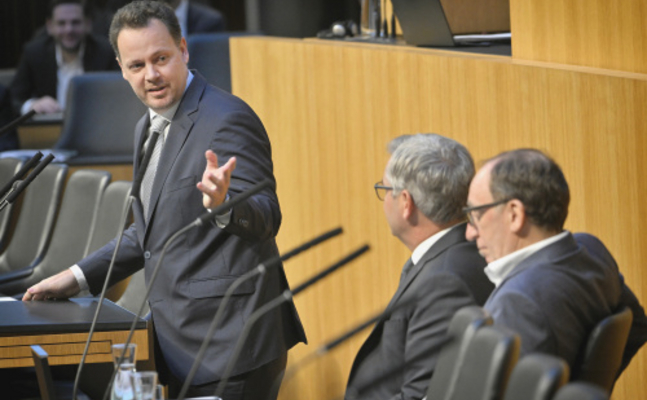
<point x="36" y="220"/>
<point x="463" y="326"/>
<point x="72" y="232"/>
<point x="601" y="357"/>
<point x="8" y="168"/>
<point x="209" y="54"/>
<point x="43" y="373"/>
<point x="109" y="217"/>
<point x="488" y="363"/>
<point x="134" y="294"/>
<point x="536" y="377"/>
<point x="581" y="391"/>
<point x="99" y="120"/>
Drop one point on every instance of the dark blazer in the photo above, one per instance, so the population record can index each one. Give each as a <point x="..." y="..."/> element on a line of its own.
<point x="555" y="297"/>
<point x="202" y="264"/>
<point x="449" y="276"/>
<point x="638" y="333"/>
<point x="36" y="74"/>
<point x="204" y="19"/>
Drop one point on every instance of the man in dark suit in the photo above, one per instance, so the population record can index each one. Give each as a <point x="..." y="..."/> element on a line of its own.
<point x="50" y="60"/>
<point x="549" y="289"/>
<point x="197" y="18"/>
<point x="424" y="189"/>
<point x="200" y="266"/>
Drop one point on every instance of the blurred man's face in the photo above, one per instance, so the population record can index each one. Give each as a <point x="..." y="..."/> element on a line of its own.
<point x="68" y="26"/>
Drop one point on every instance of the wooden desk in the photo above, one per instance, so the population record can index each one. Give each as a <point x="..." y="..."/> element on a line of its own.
<point x="60" y="328"/>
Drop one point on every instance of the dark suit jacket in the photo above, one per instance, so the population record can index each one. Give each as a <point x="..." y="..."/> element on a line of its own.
<point x="202" y="264"/>
<point x="449" y="276"/>
<point x="203" y="19"/>
<point x="36" y="74"/>
<point x="555" y="297"/>
<point x="638" y="333"/>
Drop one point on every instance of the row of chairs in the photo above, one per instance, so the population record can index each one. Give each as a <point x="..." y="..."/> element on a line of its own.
<point x="482" y="363"/>
<point x="57" y="222"/>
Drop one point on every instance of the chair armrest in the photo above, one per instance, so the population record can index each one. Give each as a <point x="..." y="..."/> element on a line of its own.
<point x="16" y="275"/>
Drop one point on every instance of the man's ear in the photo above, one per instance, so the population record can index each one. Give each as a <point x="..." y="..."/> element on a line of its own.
<point x="49" y="26"/>
<point x="516" y="214"/>
<point x="408" y="207"/>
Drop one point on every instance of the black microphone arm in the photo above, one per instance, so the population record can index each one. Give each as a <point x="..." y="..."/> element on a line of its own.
<point x="233" y="201"/>
<point x="286" y="296"/>
<point x="17" y="122"/>
<point x="28" y="165"/>
<point x="11" y="197"/>
<point x="259" y="270"/>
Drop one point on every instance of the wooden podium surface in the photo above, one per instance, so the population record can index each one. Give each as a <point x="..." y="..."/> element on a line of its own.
<point x="61" y="329"/>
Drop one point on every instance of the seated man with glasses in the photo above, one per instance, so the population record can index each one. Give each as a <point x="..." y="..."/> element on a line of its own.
<point x="424" y="188"/>
<point x="552" y="287"/>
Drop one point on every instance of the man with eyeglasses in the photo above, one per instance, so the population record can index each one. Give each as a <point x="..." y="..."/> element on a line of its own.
<point x="551" y="287"/>
<point x="424" y="188"/>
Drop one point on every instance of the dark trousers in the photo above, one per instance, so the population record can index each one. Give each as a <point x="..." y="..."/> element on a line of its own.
<point x="261" y="383"/>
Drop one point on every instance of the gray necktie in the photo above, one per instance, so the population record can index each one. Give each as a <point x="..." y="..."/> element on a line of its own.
<point x="405" y="269"/>
<point x="158" y="125"/>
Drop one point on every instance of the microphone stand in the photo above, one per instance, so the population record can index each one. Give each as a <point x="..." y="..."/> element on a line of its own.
<point x="134" y="192"/>
<point x="259" y="270"/>
<point x="286" y="296"/>
<point x="12" y="182"/>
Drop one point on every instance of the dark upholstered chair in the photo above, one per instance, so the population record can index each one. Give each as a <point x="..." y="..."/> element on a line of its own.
<point x="99" y="120"/>
<point x="40" y="202"/>
<point x="489" y="359"/>
<point x="537" y="377"/>
<point x="463" y="326"/>
<point x="600" y="359"/>
<point x="580" y="391"/>
<point x="8" y="168"/>
<point x="72" y="232"/>
<point x="209" y="54"/>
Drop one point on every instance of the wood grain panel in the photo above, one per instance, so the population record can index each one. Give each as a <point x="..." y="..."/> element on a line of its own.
<point x="596" y="33"/>
<point x="330" y="109"/>
<point x="15" y="351"/>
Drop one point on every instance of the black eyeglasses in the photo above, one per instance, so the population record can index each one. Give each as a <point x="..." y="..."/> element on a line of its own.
<point x="380" y="190"/>
<point x="472" y="219"/>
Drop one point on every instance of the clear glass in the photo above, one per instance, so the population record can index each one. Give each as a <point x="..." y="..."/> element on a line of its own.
<point x="124" y="386"/>
<point x="159" y="392"/>
<point x="146" y="382"/>
<point x="369" y="17"/>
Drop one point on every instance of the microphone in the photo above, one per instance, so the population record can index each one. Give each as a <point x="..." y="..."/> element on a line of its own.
<point x="259" y="270"/>
<point x="17" y="122"/>
<point x="23" y="184"/>
<point x="286" y="296"/>
<point x="28" y="165"/>
<point x="198" y="222"/>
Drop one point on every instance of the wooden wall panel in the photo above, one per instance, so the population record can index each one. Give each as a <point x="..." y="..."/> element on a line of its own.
<point x="330" y="108"/>
<point x="595" y="33"/>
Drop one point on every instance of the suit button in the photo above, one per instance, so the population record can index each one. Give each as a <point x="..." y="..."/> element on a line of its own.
<point x="243" y="222"/>
<point x="147" y="255"/>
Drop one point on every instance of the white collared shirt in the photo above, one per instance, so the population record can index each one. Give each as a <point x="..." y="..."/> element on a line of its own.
<point x="497" y="270"/>
<point x="426" y="244"/>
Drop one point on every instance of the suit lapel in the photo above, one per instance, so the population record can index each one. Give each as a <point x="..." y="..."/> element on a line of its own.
<point x="452" y="237"/>
<point x="179" y="131"/>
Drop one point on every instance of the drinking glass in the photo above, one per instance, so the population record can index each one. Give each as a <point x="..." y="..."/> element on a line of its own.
<point x="124" y="386"/>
